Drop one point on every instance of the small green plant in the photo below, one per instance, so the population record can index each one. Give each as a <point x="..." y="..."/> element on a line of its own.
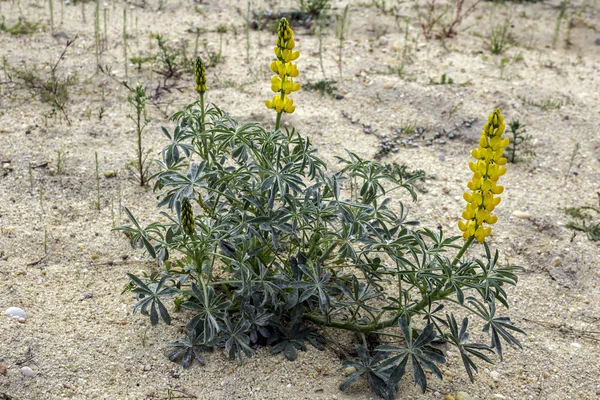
<point x="60" y="161"/>
<point x="574" y="155"/>
<point x="322" y="87"/>
<point x="444" y="80"/>
<point x="138" y="99"/>
<point x="265" y="246"/>
<point x="586" y="219"/>
<point x="105" y="40"/>
<point x="21" y="27"/>
<point x="97" y="181"/>
<point x="448" y="18"/>
<point x="221" y="30"/>
<point x="519" y="143"/>
<point x="321" y="23"/>
<point x="125" y="38"/>
<point x="498" y="42"/>
<point x="52" y="88"/>
<point x="247" y="23"/>
<point x="343" y="21"/>
<point x="214" y="58"/>
<point x="314" y="8"/>
<point x="141" y="60"/>
<point x="546" y="104"/>
<point x="561" y="16"/>
<point x="167" y="63"/>
<point x="454" y="108"/>
<point x="41" y="198"/>
<point x="51" y="9"/>
<point x="97" y="38"/>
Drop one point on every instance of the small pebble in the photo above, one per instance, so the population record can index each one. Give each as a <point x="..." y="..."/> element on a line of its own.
<point x="148" y="367"/>
<point x="349" y="371"/>
<point x="498" y="396"/>
<point x="448" y="397"/>
<point x="26" y="371"/>
<point x="463" y="396"/>
<point x="110" y="173"/>
<point x="556" y="261"/>
<point x="598" y="41"/>
<point x="388" y="85"/>
<point x="16" y="312"/>
<point x="3" y="369"/>
<point x="576" y="346"/>
<point x="521" y="214"/>
<point x="495" y="375"/>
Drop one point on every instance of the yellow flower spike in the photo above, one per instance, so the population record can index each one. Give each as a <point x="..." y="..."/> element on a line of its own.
<point x="482" y="199"/>
<point x="282" y="83"/>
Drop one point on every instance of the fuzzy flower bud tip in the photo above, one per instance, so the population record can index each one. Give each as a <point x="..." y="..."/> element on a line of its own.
<point x="200" y="75"/>
<point x="187" y="217"/>
<point x="487" y="169"/>
<point x="283" y="83"/>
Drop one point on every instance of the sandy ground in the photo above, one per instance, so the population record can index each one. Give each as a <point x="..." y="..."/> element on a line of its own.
<point x="80" y="338"/>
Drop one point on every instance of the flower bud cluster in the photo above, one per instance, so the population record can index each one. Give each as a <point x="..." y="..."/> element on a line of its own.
<point x="200" y="75"/>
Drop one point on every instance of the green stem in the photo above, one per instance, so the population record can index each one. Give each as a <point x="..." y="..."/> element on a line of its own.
<point x="436" y="296"/>
<point x="462" y="250"/>
<point x="278" y="120"/>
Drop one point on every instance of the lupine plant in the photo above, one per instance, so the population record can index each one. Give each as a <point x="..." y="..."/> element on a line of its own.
<point x="262" y="244"/>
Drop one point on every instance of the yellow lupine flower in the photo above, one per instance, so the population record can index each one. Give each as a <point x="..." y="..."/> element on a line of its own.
<point x="486" y="170"/>
<point x="282" y="83"/>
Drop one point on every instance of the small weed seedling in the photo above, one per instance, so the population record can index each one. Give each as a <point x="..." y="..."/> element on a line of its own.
<point x="519" y="143"/>
<point x="60" y="161"/>
<point x="138" y="99"/>
<point x="586" y="219"/>
<point x="21" y="27"/>
<point x="51" y="9"/>
<point x="444" y="80"/>
<point x="125" y="38"/>
<point x="574" y="155"/>
<point x="322" y="87"/>
<point x="546" y="104"/>
<point x="213" y="57"/>
<point x="449" y="18"/>
<point x="97" y="181"/>
<point x="561" y="16"/>
<point x="342" y="27"/>
<point x="498" y="42"/>
<point x="247" y="23"/>
<point x="313" y="8"/>
<point x="53" y="89"/>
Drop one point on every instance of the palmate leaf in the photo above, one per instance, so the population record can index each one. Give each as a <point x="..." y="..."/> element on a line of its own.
<point x="150" y="301"/>
<point x="237" y="342"/>
<point x="494" y="277"/>
<point x="288" y="340"/>
<point x="420" y="353"/>
<point x="460" y="340"/>
<point x="188" y="349"/>
<point x="211" y="311"/>
<point x="371" y="367"/>
<point x="498" y="327"/>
